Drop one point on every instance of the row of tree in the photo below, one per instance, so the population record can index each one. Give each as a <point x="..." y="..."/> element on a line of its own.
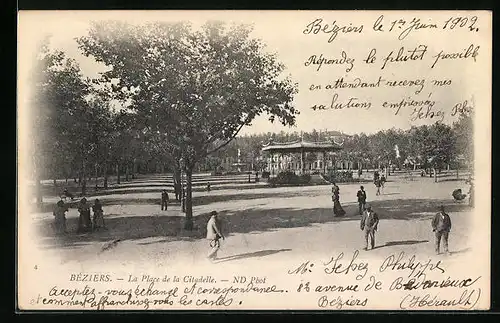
<point x="170" y="93"/>
<point x="177" y="97"/>
<point x="435" y="146"/>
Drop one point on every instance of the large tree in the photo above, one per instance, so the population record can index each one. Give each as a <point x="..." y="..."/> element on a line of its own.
<point x="58" y="99"/>
<point x="196" y="87"/>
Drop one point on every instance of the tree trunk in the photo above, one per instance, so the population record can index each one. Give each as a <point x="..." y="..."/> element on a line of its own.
<point x="117" y="173"/>
<point x="188" y="224"/>
<point x="457" y="173"/>
<point x="126" y="172"/>
<point x="134" y="169"/>
<point x="105" y="174"/>
<point x="55" y="182"/>
<point x="84" y="180"/>
<point x="435" y="175"/>
<point x="66" y="179"/>
<point x="96" y="175"/>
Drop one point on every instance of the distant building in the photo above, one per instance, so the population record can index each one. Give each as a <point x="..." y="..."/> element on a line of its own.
<point x="292" y="156"/>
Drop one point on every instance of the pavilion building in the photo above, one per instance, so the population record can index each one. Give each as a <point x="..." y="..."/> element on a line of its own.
<point x="302" y="157"/>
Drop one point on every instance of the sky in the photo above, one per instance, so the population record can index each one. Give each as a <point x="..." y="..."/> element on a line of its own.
<point x="282" y="32"/>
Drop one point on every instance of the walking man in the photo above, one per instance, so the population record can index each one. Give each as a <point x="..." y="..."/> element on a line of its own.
<point x="382" y="182"/>
<point x="369" y="224"/>
<point x="441" y="226"/>
<point x="164" y="200"/>
<point x="377" y="185"/>
<point x="214" y="234"/>
<point x="361" y="200"/>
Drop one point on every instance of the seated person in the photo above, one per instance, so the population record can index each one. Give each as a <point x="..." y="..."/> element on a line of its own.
<point x="457" y="194"/>
<point x="67" y="193"/>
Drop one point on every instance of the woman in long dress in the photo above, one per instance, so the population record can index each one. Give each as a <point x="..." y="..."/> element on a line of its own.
<point x="337" y="208"/>
<point x="60" y="217"/>
<point x="84" y="221"/>
<point x="98" y="215"/>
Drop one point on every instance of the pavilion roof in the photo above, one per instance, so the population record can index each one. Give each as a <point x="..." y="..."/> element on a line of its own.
<point x="302" y="145"/>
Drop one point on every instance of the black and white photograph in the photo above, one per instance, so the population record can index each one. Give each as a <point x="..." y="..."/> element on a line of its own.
<point x="254" y="160"/>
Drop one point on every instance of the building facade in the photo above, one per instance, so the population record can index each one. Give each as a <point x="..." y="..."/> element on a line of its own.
<point x="301" y="157"/>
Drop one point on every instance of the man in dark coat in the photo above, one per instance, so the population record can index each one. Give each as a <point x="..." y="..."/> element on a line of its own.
<point x="177" y="191"/>
<point x="164" y="200"/>
<point x="377" y="185"/>
<point x="361" y="199"/>
<point x="369" y="224"/>
<point x="441" y="226"/>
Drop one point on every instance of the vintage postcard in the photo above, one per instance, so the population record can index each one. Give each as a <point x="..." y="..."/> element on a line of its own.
<point x="254" y="160"/>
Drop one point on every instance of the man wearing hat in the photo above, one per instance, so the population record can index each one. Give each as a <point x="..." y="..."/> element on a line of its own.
<point x="361" y="199"/>
<point x="441" y="226"/>
<point x="214" y="235"/>
<point x="369" y="224"/>
<point x="164" y="200"/>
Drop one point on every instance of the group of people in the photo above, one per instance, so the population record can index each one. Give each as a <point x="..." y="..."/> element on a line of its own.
<point x="338" y="210"/>
<point x="441" y="222"/>
<point x="86" y="223"/>
<point x="379" y="182"/>
<point x="441" y="226"/>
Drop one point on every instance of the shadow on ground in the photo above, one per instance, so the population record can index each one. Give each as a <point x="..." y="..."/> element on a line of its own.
<point x="197" y="200"/>
<point x="401" y="243"/>
<point x="256" y="254"/>
<point x="253" y="221"/>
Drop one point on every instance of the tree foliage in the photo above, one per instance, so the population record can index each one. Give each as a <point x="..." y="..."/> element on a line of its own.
<point x="175" y="76"/>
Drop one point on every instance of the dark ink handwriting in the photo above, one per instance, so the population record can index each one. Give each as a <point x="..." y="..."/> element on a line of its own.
<point x="467" y="300"/>
<point x="333" y="29"/>
<point x="337" y="267"/>
<point x="471" y="51"/>
<point x="320" y="60"/>
<point x="416" y="268"/>
<point x="340" y="302"/>
<point x="417" y="53"/>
